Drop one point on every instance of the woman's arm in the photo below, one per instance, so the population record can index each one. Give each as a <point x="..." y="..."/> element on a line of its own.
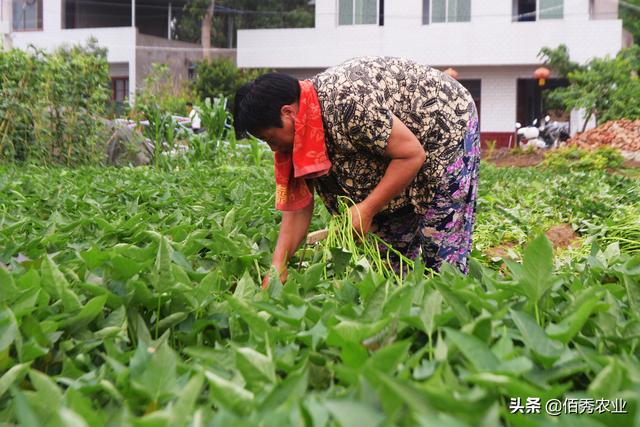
<point x="407" y="157"/>
<point x="293" y="229"/>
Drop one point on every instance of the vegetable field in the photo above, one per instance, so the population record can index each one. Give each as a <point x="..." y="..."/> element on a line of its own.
<point x="130" y="297"/>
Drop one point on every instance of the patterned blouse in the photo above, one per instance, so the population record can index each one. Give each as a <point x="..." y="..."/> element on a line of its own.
<point x="358" y="99"/>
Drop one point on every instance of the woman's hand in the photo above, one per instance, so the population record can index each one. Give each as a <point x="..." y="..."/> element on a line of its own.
<point x="293" y="229"/>
<point x="361" y="218"/>
<point x="283" y="278"/>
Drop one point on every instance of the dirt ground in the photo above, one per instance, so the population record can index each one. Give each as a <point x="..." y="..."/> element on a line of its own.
<point x="503" y="157"/>
<point x="631" y="164"/>
<point x="561" y="236"/>
<point x="501" y="251"/>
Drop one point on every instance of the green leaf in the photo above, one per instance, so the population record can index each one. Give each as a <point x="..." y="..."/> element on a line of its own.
<point x="229" y="395"/>
<point x="54" y="282"/>
<point x="8" y="291"/>
<point x="46" y="388"/>
<point x="292" y="388"/>
<point x="246" y="287"/>
<point x="82" y="405"/>
<point x="578" y="315"/>
<point x="68" y="418"/>
<point x="543" y="348"/>
<point x="340" y="260"/>
<point x="535" y="275"/>
<point x="633" y="292"/>
<point x="431" y="307"/>
<point x="8" y="328"/>
<point x="94" y="257"/>
<point x="89" y="312"/>
<point x="375" y="304"/>
<point x="162" y="279"/>
<point x="459" y="308"/>
<point x="608" y="381"/>
<point x="318" y="334"/>
<point x="517" y="366"/>
<point x="318" y="413"/>
<point x="256" y="323"/>
<point x="15" y="373"/>
<point x="172" y="320"/>
<point x="510" y="386"/>
<point x="356" y="332"/>
<point x="255" y="367"/>
<point x="476" y="351"/>
<point x="184" y="406"/>
<point x="154" y="419"/>
<point x="124" y="267"/>
<point x="24" y="412"/>
<point x="157" y="377"/>
<point x="353" y="413"/>
<point x="388" y="358"/>
<point x="400" y="390"/>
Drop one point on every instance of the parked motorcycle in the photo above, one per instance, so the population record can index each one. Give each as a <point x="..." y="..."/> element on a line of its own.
<point x="548" y="135"/>
<point x="529" y="136"/>
<point x="554" y="133"/>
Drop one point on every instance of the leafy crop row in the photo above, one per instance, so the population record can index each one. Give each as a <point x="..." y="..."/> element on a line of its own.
<point x="131" y="297"/>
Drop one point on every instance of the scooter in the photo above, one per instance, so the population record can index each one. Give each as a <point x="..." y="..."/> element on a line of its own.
<point x="529" y="136"/>
<point x="554" y="133"/>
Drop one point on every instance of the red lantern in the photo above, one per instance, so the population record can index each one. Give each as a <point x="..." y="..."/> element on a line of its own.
<point x="542" y="74"/>
<point x="452" y="73"/>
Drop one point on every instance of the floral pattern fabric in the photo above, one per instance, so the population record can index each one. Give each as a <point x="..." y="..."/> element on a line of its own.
<point x="443" y="233"/>
<point x="358" y="100"/>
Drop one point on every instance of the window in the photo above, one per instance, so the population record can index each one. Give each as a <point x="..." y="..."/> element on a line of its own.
<point x="119" y="89"/>
<point x="435" y="11"/>
<point x="357" y="12"/>
<point x="27" y="15"/>
<point x="532" y="10"/>
<point x="551" y="9"/>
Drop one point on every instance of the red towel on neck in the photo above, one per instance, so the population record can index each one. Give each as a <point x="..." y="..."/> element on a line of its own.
<point x="309" y="157"/>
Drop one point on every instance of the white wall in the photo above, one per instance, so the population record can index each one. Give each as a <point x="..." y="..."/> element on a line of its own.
<point x="498" y="94"/>
<point x="5" y="23"/>
<point x="491" y="38"/>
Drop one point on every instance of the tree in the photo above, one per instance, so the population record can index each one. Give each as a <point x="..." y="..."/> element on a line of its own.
<point x="245" y="14"/>
<point x="629" y="11"/>
<point x="607" y="87"/>
<point x="205" y="30"/>
<point x="221" y="77"/>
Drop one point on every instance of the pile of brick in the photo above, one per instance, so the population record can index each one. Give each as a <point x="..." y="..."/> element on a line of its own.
<point x="622" y="134"/>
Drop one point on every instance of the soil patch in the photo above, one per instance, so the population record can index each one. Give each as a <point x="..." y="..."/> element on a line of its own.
<point x="561" y="236"/>
<point x="504" y="157"/>
<point x="631" y="164"/>
<point x="501" y="251"/>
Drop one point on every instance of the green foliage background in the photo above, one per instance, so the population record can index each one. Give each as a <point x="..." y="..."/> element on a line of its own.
<point x="52" y="104"/>
<point x="608" y="87"/>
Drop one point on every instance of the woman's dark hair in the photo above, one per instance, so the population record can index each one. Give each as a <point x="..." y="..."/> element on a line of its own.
<point x="257" y="104"/>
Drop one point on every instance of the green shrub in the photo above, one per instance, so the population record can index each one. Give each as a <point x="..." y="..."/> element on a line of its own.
<point x="520" y="151"/>
<point x="51" y="104"/>
<point x="574" y="158"/>
<point x="158" y="91"/>
<point x="221" y="78"/>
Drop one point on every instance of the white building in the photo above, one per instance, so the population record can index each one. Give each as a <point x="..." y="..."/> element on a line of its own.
<point x="492" y="44"/>
<point x="136" y="33"/>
